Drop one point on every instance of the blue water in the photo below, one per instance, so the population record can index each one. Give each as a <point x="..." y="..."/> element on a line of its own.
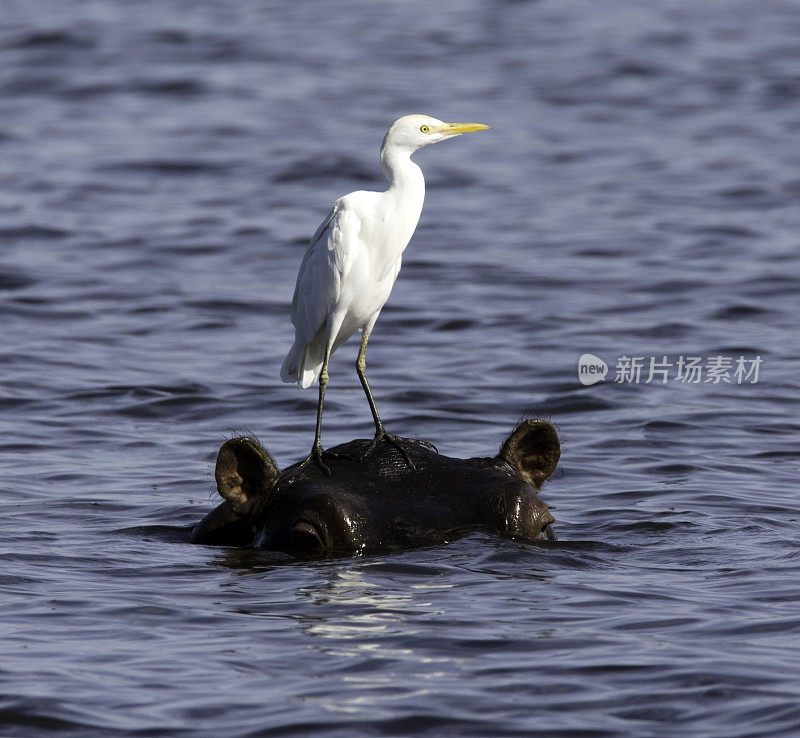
<point x="162" y="166"/>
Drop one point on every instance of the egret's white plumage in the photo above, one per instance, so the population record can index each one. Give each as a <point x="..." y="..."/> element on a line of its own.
<point x="354" y="258"/>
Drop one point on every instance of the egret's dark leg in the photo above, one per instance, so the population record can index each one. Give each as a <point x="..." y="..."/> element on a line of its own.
<point x="380" y="431"/>
<point x="361" y="370"/>
<point x="316" y="449"/>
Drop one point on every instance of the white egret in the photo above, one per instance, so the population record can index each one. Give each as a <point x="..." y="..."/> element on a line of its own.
<point x="352" y="263"/>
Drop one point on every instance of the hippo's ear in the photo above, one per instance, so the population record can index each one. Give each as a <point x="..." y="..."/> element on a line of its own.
<point x="244" y="470"/>
<point x="532" y="450"/>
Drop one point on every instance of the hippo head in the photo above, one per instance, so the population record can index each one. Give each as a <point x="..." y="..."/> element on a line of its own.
<point x="380" y="502"/>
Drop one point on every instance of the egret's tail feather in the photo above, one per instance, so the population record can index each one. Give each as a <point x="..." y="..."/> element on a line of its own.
<point x="311" y="362"/>
<point x="306" y="369"/>
<point x="289" y="368"/>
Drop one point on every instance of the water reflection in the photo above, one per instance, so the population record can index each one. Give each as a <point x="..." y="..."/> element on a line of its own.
<point x="350" y="605"/>
<point x="378" y="630"/>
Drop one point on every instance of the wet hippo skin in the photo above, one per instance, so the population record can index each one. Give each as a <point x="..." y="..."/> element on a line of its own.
<point x="380" y="502"/>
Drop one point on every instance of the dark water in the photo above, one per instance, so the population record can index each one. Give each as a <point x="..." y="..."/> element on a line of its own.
<point x="162" y="165"/>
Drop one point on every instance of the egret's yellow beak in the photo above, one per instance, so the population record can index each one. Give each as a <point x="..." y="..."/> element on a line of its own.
<point x="456" y="129"/>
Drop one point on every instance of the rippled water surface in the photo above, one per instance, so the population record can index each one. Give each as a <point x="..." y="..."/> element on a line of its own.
<point x="162" y="166"/>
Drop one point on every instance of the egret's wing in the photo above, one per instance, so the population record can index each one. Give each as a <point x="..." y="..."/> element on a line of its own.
<point x="323" y="228"/>
<point x="319" y="280"/>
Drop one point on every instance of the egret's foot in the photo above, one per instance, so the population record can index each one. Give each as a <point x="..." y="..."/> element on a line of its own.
<point x="337" y="455"/>
<point x="399" y="443"/>
<point x="315" y="457"/>
<point x="417" y="442"/>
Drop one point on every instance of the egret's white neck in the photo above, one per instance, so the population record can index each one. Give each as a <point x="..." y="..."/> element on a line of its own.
<point x="405" y="177"/>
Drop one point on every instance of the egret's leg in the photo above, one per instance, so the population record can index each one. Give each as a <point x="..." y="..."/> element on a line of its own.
<point x="361" y="370"/>
<point x="316" y="449"/>
<point x="380" y="431"/>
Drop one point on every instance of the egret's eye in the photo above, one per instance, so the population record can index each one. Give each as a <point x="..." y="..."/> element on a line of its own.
<point x="424" y="129"/>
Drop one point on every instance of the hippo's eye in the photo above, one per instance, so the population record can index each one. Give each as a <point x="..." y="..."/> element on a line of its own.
<point x="424" y="129"/>
<point x="304" y="535"/>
